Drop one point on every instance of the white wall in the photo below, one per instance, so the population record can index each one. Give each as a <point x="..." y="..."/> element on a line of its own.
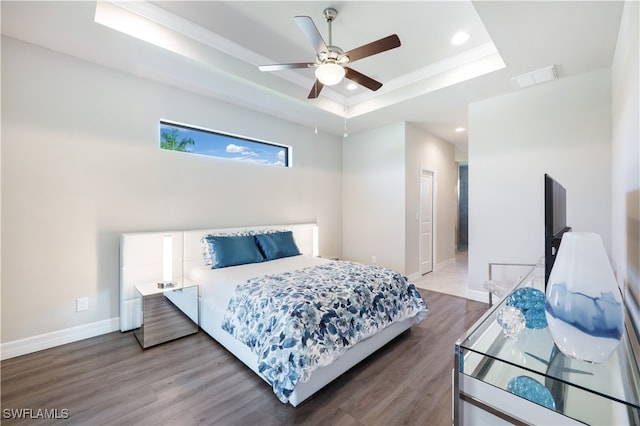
<point x="381" y="196"/>
<point x="625" y="196"/>
<point x="81" y="164"/>
<point x="562" y="128"/>
<point x="373" y="197"/>
<point x="424" y="150"/>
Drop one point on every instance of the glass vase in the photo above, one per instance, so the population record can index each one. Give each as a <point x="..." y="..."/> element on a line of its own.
<point x="583" y="305"/>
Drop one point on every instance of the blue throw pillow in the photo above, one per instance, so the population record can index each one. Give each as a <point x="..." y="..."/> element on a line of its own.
<point x="277" y="244"/>
<point x="233" y="250"/>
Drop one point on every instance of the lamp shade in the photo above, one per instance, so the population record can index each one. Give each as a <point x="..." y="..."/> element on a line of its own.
<point x="330" y="74"/>
<point x="583" y="304"/>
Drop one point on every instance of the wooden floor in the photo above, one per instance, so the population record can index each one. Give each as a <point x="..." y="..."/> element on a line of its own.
<point x="109" y="379"/>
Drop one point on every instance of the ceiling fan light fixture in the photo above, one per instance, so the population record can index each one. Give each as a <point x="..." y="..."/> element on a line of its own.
<point x="330" y="74"/>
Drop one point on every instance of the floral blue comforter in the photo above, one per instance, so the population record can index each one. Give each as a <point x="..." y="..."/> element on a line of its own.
<point x="298" y="321"/>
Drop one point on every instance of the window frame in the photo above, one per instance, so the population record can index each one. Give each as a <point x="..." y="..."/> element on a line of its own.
<point x="288" y="150"/>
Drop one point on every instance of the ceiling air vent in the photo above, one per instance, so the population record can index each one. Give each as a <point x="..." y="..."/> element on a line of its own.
<point x="534" y="77"/>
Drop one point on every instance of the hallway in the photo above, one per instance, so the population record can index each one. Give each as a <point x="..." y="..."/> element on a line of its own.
<point x="451" y="279"/>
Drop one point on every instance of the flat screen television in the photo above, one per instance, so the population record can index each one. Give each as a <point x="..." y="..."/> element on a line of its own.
<point x="555" y="221"/>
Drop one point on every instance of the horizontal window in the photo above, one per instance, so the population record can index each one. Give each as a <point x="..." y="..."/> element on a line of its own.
<point x="178" y="137"/>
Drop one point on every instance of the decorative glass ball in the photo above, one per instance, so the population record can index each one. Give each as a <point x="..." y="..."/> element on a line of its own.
<point x="531" y="302"/>
<point x="511" y="320"/>
<point x="529" y="388"/>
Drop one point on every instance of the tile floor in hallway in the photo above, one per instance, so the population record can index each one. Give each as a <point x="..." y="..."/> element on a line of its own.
<point x="452" y="279"/>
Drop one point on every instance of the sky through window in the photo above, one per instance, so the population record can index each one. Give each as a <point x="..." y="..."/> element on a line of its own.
<point x="206" y="142"/>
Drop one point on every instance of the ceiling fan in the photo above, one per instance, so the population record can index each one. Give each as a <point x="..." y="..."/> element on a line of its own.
<point x="331" y="61"/>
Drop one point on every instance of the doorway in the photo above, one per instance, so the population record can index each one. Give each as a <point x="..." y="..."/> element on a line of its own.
<point x="463" y="207"/>
<point x="426" y="221"/>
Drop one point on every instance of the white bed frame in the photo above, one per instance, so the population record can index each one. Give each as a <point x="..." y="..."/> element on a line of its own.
<point x="141" y="262"/>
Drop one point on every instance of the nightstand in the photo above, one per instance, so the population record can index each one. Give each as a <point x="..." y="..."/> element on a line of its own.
<point x="167" y="313"/>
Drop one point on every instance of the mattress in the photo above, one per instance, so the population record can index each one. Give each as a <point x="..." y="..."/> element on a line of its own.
<point x="217" y="286"/>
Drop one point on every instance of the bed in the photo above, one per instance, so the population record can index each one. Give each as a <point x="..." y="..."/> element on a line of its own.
<point x="224" y="290"/>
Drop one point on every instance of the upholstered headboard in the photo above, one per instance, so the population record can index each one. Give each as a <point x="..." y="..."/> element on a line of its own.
<point x="141" y="259"/>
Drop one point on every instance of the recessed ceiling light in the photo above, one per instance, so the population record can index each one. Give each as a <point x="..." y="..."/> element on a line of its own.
<point x="352" y="86"/>
<point x="460" y="129"/>
<point x="460" y="37"/>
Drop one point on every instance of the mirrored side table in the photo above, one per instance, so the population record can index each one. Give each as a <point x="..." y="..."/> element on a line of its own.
<point x="167" y="313"/>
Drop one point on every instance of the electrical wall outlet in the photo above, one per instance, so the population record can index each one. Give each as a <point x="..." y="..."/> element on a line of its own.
<point x="82" y="304"/>
<point x="373" y="259"/>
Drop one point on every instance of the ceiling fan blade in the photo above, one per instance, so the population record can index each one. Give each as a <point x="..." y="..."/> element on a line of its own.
<point x="315" y="90"/>
<point x="278" y="67"/>
<point x="362" y="79"/>
<point x="311" y="31"/>
<point x="378" y="46"/>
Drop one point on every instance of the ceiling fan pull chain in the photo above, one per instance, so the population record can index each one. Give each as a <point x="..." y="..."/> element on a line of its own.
<point x="345" y="125"/>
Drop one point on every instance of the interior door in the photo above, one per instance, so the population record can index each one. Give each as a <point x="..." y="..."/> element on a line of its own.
<point x="426" y="222"/>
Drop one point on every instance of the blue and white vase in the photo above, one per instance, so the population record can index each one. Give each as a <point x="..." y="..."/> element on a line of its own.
<point x="583" y="305"/>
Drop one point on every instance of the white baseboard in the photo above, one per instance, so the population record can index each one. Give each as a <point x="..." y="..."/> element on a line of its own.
<point x="56" y="338"/>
